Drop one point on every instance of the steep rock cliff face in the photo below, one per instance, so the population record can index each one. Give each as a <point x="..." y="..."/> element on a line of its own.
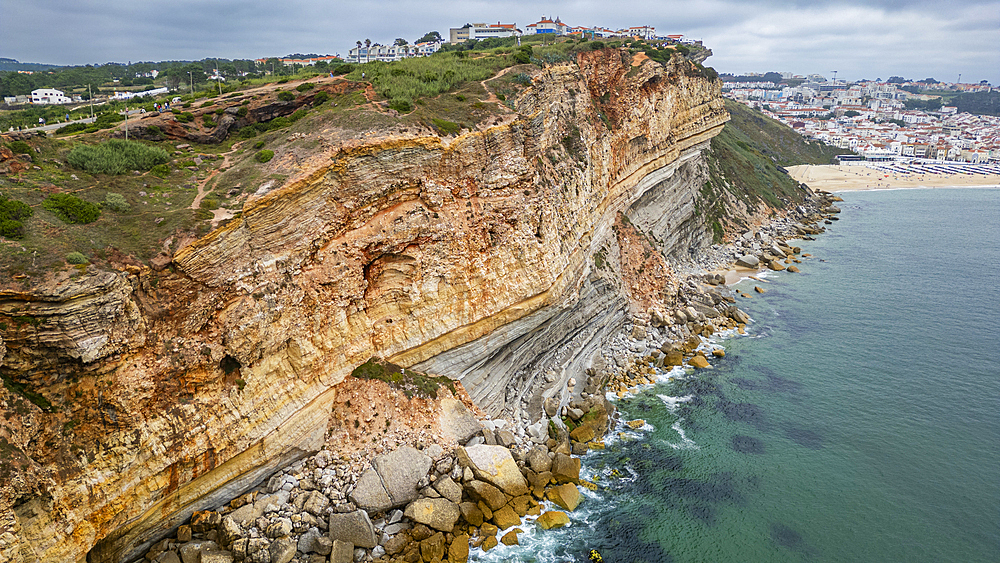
<point x="472" y="257"/>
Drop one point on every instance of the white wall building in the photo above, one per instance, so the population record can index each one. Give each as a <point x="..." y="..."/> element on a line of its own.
<point x="389" y="53"/>
<point x="546" y="26"/>
<point x="49" y="96"/>
<point x="130" y="95"/>
<point x="479" y="31"/>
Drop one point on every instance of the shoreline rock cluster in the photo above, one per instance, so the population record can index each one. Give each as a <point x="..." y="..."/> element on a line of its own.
<point x="408" y="505"/>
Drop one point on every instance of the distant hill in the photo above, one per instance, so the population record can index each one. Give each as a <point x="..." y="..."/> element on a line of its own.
<point x="12" y="64"/>
<point x="979" y="103"/>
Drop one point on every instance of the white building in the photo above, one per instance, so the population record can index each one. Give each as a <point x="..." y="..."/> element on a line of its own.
<point x="389" y="53"/>
<point x="479" y="31"/>
<point x="49" y="96"/>
<point x="547" y="26"/>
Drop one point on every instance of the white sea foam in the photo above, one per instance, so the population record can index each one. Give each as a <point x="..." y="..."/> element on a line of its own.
<point x="685" y="443"/>
<point x="672" y="402"/>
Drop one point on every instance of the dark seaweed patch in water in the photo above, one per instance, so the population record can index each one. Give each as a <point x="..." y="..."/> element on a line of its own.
<point x="746" y="384"/>
<point x="720" y="488"/>
<point x="703" y="512"/>
<point x="700" y="386"/>
<point x="806" y="438"/>
<point x="619" y="537"/>
<point x="747" y="445"/>
<point x="787" y="537"/>
<point x="743" y="412"/>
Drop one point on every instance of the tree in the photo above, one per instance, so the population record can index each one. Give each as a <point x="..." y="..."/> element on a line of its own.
<point x="896" y="80"/>
<point x="430" y="37"/>
<point x="368" y="50"/>
<point x="399" y="42"/>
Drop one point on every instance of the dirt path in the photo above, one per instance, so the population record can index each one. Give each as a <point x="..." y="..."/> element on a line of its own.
<point x="201" y="185"/>
<point x="491" y="97"/>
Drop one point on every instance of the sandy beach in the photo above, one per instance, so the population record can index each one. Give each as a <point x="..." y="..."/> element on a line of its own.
<point x="834" y="178"/>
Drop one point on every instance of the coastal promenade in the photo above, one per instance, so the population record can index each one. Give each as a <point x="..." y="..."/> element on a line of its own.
<point x="834" y="178"/>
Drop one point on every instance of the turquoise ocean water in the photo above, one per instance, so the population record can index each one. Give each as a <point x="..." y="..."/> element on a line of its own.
<point x="857" y="421"/>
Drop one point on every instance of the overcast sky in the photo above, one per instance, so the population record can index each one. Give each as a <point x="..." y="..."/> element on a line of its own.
<point x="860" y="39"/>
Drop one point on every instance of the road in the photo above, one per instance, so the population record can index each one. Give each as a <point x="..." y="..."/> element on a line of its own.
<point x="55" y="126"/>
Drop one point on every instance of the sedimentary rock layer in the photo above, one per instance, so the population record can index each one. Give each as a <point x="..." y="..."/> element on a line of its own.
<point x="471" y="256"/>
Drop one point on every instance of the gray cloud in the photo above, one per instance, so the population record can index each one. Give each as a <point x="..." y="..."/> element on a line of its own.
<point x="914" y="38"/>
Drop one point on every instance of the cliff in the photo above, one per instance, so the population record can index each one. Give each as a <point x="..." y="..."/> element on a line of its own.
<point x="501" y="258"/>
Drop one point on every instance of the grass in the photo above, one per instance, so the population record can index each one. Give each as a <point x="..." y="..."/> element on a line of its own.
<point x="422" y="77"/>
<point x="410" y="382"/>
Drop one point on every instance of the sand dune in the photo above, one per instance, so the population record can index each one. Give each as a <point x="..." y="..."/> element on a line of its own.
<point x="833" y="178"/>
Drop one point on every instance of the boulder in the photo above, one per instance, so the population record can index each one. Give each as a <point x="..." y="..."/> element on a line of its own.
<point x="314" y="542"/>
<point x="342" y="552"/>
<point x="167" y="557"/>
<point x="582" y="433"/>
<point x="492" y="496"/>
<point x="567" y="496"/>
<point x="369" y="493"/>
<point x="281" y="527"/>
<point x="315" y="503"/>
<point x="458" y="551"/>
<point x="438" y="513"/>
<point x="191" y="551"/>
<point x="506" y="518"/>
<point x="229" y="531"/>
<point x="489" y="543"/>
<point x="698" y="362"/>
<point x="282" y="550"/>
<point x="457" y="423"/>
<point x="566" y="468"/>
<point x="432" y="548"/>
<point x="709" y="312"/>
<point x="205" y="520"/>
<point x="510" y="538"/>
<point x="759" y="289"/>
<point x="553" y="519"/>
<point x="495" y="465"/>
<point x="506" y="438"/>
<point x="401" y="470"/>
<point x="471" y="513"/>
<point x="748" y="261"/>
<point x="396" y="544"/>
<point x="775" y="265"/>
<point x="449" y="489"/>
<point x="793" y="269"/>
<point x="354" y="527"/>
<point x="538" y="459"/>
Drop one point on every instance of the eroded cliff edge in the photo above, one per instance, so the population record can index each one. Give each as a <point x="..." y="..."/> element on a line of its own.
<point x="482" y="257"/>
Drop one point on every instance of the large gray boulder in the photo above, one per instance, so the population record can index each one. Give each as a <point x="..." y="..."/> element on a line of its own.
<point x="457" y="423"/>
<point x="370" y="494"/>
<point x="438" y="513"/>
<point x="401" y="472"/>
<point x="496" y="466"/>
<point x="355" y="528"/>
<point x="748" y="261"/>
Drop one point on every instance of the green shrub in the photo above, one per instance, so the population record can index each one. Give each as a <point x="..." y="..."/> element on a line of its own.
<point x="522" y="55"/>
<point x="460" y="98"/>
<point x="283" y="81"/>
<point x="286" y="96"/>
<point x="19" y="147"/>
<point x="342" y="69"/>
<point x="220" y="111"/>
<point x="248" y="132"/>
<point x="154" y="131"/>
<point x="108" y="119"/>
<point x="278" y="123"/>
<point x="446" y="127"/>
<point x="320" y="98"/>
<point x="401" y="105"/>
<point x="596" y="45"/>
<point x="209" y="203"/>
<point x="305" y="86"/>
<point x="243" y="111"/>
<point x="186" y="163"/>
<point x="116" y="157"/>
<point x="76" y="258"/>
<point x="207" y="104"/>
<point x="208" y="121"/>
<point x="116" y="202"/>
<point x="72" y="209"/>
<point x="264" y="156"/>
<point x="185" y="117"/>
<point x="11" y="213"/>
<point x="258" y="145"/>
<point x="72" y="128"/>
<point x="160" y="170"/>
<point x="299" y="114"/>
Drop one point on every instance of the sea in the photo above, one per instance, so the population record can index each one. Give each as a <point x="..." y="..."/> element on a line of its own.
<point x="857" y="420"/>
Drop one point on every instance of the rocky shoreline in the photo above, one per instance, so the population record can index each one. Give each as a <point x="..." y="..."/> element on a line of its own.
<point x="414" y="497"/>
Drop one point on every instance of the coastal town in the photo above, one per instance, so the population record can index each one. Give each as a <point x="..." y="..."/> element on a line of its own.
<point x="880" y="121"/>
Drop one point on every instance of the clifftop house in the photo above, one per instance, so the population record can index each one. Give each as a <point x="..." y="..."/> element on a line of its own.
<point x="49" y="96"/>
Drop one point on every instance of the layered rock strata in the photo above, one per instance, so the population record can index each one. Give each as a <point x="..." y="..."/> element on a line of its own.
<point x="476" y="257"/>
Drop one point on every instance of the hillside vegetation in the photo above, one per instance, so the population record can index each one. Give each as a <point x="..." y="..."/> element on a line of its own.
<point x="747" y="160"/>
